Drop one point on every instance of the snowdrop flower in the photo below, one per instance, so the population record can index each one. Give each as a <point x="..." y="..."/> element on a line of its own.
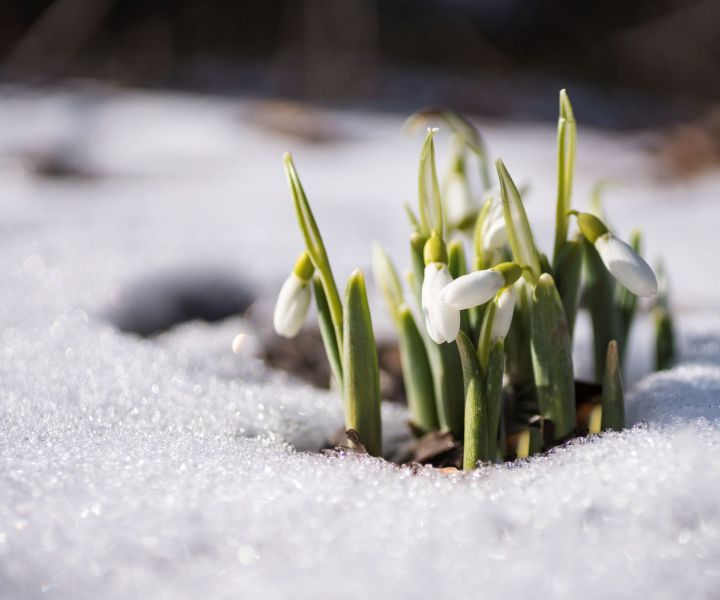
<point x="294" y="298"/>
<point x="623" y="263"/>
<point x="441" y="321"/>
<point x="478" y="287"/>
<point x="460" y="208"/>
<point x="504" y="309"/>
<point x="494" y="232"/>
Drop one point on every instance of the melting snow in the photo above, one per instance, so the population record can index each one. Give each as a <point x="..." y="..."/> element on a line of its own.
<point x="173" y="468"/>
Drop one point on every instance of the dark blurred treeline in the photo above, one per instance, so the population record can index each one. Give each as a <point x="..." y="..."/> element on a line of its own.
<point x="361" y="49"/>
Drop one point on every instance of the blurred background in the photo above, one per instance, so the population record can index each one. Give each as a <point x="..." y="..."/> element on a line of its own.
<point x="140" y="140"/>
<point x="635" y="64"/>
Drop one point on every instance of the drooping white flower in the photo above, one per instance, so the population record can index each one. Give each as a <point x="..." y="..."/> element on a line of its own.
<point x="626" y="265"/>
<point x="294" y="298"/>
<point x="441" y="321"/>
<point x="494" y="232"/>
<point x="459" y="204"/>
<point x="473" y="289"/>
<point x="504" y="309"/>
<point x="292" y="306"/>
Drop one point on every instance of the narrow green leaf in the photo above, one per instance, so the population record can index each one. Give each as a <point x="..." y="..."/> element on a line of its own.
<point x="417" y="246"/>
<point x="600" y="291"/>
<point x="417" y="373"/>
<point x="567" y="140"/>
<point x="664" y="339"/>
<point x="613" y="402"/>
<point x="448" y="384"/>
<point x="431" y="211"/>
<point x="414" y="223"/>
<point x="494" y="382"/>
<point x="475" y="445"/>
<point x="518" y="228"/>
<point x="327" y="331"/>
<point x="552" y="358"/>
<point x="315" y="246"/>
<point x="388" y="282"/>
<point x="361" y="385"/>
<point x="568" y="270"/>
<point x="464" y="128"/>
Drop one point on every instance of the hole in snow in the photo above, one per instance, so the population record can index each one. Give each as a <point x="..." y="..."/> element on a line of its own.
<point x="155" y="303"/>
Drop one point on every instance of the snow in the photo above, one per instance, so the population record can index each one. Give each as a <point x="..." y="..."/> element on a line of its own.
<point x="172" y="467"/>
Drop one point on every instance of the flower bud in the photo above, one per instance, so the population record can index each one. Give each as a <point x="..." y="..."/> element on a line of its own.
<point x="294" y="298"/>
<point x="459" y="205"/>
<point x="626" y="265"/>
<point x="441" y="321"/>
<point x="504" y="309"/>
<point x="478" y="287"/>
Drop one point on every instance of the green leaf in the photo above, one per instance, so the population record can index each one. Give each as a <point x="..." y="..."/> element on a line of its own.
<point x="600" y="292"/>
<point x="462" y="127"/>
<point x="387" y="280"/>
<point x="494" y="382"/>
<point x="567" y="140"/>
<point x="613" y="402"/>
<point x="417" y="373"/>
<point x="315" y="245"/>
<point x="664" y="339"/>
<point x="327" y="331"/>
<point x="448" y="384"/>
<point x="568" y="270"/>
<point x="518" y="228"/>
<point x="431" y="211"/>
<point x="475" y="445"/>
<point x="552" y="358"/>
<point x="361" y="384"/>
<point x="417" y="247"/>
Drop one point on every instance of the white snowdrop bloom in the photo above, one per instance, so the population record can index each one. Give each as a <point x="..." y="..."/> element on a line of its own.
<point x="473" y="289"/>
<point x="441" y="321"/>
<point x="504" y="309"/>
<point x="626" y="265"/>
<point x="459" y="205"/>
<point x="494" y="232"/>
<point x="292" y="306"/>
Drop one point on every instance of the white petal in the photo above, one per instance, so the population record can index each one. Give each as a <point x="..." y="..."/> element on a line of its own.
<point x="458" y="200"/>
<point x="504" y="308"/>
<point x="472" y="289"/>
<point x="442" y="322"/>
<point x="292" y="306"/>
<point x="495" y="236"/>
<point x="626" y="265"/>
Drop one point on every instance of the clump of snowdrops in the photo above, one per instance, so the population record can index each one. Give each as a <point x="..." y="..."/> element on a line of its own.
<point x="485" y="337"/>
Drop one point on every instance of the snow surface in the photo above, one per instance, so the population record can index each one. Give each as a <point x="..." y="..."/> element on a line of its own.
<point x="172" y="468"/>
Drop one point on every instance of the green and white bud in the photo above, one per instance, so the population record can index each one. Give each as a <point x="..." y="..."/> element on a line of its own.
<point x="504" y="309"/>
<point x="626" y="265"/>
<point x="494" y="231"/>
<point x="623" y="263"/>
<point x="475" y="289"/>
<point x="294" y="298"/>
